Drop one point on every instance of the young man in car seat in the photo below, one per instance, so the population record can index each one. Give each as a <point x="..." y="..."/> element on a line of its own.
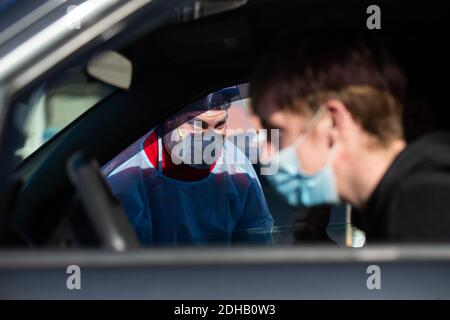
<point x="350" y="93"/>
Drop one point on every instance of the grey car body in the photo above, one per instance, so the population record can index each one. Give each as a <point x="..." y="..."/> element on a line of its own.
<point x="38" y="51"/>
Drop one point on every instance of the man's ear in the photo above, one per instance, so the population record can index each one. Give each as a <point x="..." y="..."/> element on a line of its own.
<point x="341" y="119"/>
<point x="339" y="113"/>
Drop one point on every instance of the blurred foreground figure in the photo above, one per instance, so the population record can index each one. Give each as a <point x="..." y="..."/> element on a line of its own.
<point x="184" y="183"/>
<point x="345" y="98"/>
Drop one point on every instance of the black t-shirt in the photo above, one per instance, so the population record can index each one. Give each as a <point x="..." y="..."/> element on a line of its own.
<point x="412" y="201"/>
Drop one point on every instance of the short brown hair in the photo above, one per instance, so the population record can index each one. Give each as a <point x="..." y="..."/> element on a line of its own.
<point x="359" y="73"/>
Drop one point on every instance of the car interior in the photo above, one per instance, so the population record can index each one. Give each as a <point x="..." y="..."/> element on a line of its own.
<point x="49" y="204"/>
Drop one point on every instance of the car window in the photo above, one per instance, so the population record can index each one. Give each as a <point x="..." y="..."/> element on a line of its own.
<point x="172" y="200"/>
<point x="53" y="106"/>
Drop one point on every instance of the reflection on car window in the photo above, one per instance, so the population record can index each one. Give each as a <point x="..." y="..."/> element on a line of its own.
<point x="53" y="106"/>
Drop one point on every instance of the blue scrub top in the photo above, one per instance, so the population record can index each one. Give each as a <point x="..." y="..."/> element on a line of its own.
<point x="218" y="209"/>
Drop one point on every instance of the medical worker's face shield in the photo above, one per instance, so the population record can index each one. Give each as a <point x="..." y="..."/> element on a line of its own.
<point x="197" y="142"/>
<point x="196" y="135"/>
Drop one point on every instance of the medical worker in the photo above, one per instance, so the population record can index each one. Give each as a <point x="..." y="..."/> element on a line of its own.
<point x="184" y="183"/>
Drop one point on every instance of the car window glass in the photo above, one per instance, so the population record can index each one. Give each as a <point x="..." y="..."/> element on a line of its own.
<point x="53" y="106"/>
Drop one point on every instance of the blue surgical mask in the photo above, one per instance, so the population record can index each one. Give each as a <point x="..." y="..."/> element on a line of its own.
<point x="299" y="188"/>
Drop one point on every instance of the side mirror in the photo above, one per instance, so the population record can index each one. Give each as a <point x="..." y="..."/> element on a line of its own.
<point x="111" y="68"/>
